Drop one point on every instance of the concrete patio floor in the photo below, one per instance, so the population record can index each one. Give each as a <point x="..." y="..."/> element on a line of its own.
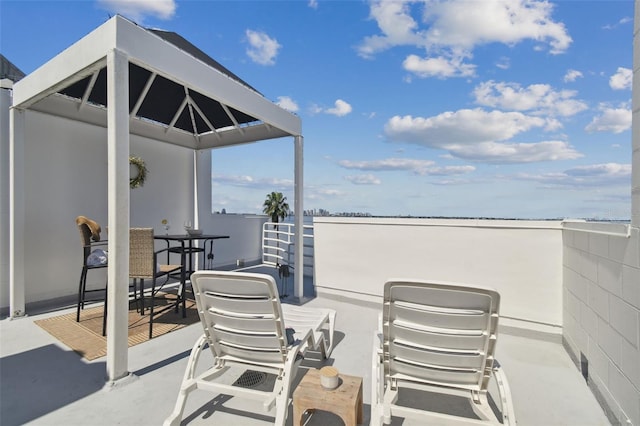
<point x="44" y="383"/>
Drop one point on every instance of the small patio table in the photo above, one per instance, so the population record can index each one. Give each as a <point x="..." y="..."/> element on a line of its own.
<point x="186" y="246"/>
<point x="345" y="401"/>
<point x="185" y="249"/>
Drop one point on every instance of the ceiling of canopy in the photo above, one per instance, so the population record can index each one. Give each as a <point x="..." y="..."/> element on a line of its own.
<point x="177" y="93"/>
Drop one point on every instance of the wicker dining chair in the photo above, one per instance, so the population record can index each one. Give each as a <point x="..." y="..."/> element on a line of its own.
<point x="143" y="265"/>
<point x="90" y="238"/>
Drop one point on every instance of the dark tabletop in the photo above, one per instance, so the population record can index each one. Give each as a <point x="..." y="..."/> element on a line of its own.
<point x="187" y="237"/>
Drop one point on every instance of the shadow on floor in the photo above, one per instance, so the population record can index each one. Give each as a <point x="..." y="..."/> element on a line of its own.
<point x="36" y="382"/>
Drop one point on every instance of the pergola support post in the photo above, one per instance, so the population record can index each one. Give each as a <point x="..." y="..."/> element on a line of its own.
<point x="17" y="214"/>
<point x="118" y="214"/>
<point x="635" y="123"/>
<point x="298" y="291"/>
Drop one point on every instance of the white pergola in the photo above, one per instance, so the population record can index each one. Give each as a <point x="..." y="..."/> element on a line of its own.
<point x="155" y="84"/>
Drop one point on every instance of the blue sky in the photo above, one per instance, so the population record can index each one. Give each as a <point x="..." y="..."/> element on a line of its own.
<point x="473" y="108"/>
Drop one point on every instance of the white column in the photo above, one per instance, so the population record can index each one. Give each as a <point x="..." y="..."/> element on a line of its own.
<point x="5" y="190"/>
<point x="195" y="214"/>
<point x="198" y="184"/>
<point x="118" y="214"/>
<point x="298" y="290"/>
<point x="17" y="214"/>
<point x="202" y="161"/>
<point x="635" y="127"/>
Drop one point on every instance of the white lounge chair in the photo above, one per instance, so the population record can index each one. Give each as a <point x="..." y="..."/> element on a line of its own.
<point x="246" y="328"/>
<point x="440" y="338"/>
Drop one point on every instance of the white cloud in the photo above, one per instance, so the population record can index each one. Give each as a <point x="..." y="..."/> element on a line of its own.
<point x="388" y="164"/>
<point x="329" y="191"/>
<point x="622" y="79"/>
<point x="367" y="179"/>
<point x="138" y="9"/>
<point x="262" y="48"/>
<point x="313" y="4"/>
<point x="506" y="153"/>
<point x="456" y="23"/>
<point x="538" y="98"/>
<point x="251" y="182"/>
<point x="572" y="75"/>
<point x="396" y="24"/>
<point x="478" y="135"/>
<point x="438" y="67"/>
<point x="449" y="31"/>
<point x="615" y="120"/>
<point x="504" y="63"/>
<point x="315" y="109"/>
<point x="238" y="180"/>
<point x="450" y="170"/>
<point x="609" y="170"/>
<point x="585" y="176"/>
<point x="464" y="126"/>
<point x="419" y="167"/>
<point x="622" y="21"/>
<point x="287" y="103"/>
<point x="341" y="108"/>
<point x="452" y="182"/>
<point x="322" y="193"/>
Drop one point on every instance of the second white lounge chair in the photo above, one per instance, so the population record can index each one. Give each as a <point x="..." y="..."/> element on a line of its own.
<point x="246" y="328"/>
<point x="439" y="338"/>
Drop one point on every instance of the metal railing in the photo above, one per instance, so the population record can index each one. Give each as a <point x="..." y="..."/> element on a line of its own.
<point x="278" y="245"/>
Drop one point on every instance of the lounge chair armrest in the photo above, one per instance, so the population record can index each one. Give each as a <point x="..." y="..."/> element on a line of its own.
<point x="303" y="343"/>
<point x="508" y="412"/>
<point x="194" y="356"/>
<point x="377" y="379"/>
<point x="376" y="352"/>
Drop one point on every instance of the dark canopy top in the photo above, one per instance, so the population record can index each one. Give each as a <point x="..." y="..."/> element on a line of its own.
<point x="177" y="93"/>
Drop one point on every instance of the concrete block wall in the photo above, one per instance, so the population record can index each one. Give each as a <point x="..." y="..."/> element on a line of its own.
<point x="601" y="313"/>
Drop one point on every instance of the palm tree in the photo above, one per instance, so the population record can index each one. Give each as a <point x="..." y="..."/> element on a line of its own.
<point x="275" y="205"/>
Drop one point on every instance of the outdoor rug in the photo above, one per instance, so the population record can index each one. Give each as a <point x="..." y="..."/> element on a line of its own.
<point x="86" y="339"/>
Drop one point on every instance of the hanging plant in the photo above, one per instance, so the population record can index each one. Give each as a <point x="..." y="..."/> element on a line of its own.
<point x="138" y="180"/>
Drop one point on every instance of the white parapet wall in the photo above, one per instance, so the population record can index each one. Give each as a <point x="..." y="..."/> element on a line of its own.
<point x="601" y="312"/>
<point x="521" y="259"/>
<point x="245" y="237"/>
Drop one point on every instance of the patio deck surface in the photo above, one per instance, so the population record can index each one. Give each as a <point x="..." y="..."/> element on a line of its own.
<point x="44" y="383"/>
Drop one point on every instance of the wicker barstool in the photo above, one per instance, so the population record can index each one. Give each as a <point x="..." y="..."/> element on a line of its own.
<point x="90" y="238"/>
<point x="143" y="265"/>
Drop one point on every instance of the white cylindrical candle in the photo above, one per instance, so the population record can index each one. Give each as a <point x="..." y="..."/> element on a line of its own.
<point x="329" y="378"/>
